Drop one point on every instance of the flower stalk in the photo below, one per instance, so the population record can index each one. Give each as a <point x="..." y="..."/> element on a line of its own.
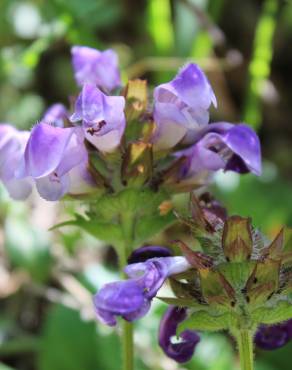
<point x="128" y="345"/>
<point x="127" y="335"/>
<point x="245" y="347"/>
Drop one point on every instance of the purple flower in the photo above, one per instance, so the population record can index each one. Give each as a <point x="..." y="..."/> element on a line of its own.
<point x="181" y="106"/>
<point x="56" y="158"/>
<point x="12" y="144"/>
<point x="55" y="115"/>
<point x="271" y="337"/>
<point x="222" y="146"/>
<point x="143" y="254"/>
<point x="183" y="350"/>
<point x="131" y="298"/>
<point x="96" y="67"/>
<point x="102" y="117"/>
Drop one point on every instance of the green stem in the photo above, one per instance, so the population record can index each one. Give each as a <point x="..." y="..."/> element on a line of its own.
<point x="127" y="328"/>
<point x="128" y="346"/>
<point x="245" y="347"/>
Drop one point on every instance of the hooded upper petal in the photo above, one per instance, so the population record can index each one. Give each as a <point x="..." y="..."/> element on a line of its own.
<point x="55" y="115"/>
<point x="223" y="146"/>
<point x="183" y="350"/>
<point x="96" y="67"/>
<point x="102" y="117"/>
<point x="245" y="144"/>
<point x="144" y="253"/>
<point x="155" y="271"/>
<point x="181" y="105"/>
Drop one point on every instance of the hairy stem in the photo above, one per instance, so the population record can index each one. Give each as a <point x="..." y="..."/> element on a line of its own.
<point x="245" y="347"/>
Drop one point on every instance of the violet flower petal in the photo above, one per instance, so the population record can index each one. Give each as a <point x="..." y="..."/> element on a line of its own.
<point x="12" y="144"/>
<point x="96" y="67"/>
<point x="52" y="187"/>
<point x="181" y="351"/>
<point x="131" y="298"/>
<point x="155" y="271"/>
<point x="57" y="158"/>
<point x="121" y="298"/>
<point x="270" y="337"/>
<point x="181" y="105"/>
<point x="102" y="117"/>
<point x="45" y="149"/>
<point x="55" y="115"/>
<point x="245" y="144"/>
<point x="150" y="251"/>
<point x="234" y="147"/>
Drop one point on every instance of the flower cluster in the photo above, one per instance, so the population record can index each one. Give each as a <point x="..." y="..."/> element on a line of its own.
<point x="237" y="281"/>
<point x="114" y="138"/>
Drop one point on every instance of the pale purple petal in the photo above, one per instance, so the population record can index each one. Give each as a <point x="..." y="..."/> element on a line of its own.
<point x="96" y="67"/>
<point x="182" y="105"/>
<point x="183" y="350"/>
<point x="45" y="149"/>
<point x="74" y="154"/>
<point x="53" y="187"/>
<point x="18" y="189"/>
<point x="55" y="115"/>
<point x="245" y="144"/>
<point x="105" y="143"/>
<point x="89" y="106"/>
<point x="81" y="181"/>
<point x="223" y="146"/>
<point x="102" y="117"/>
<point x="12" y="144"/>
<point x="155" y="271"/>
<point x="57" y="159"/>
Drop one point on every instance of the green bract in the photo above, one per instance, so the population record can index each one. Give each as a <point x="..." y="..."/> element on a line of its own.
<point x="239" y="281"/>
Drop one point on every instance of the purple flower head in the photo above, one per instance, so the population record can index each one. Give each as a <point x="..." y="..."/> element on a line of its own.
<point x="96" y="67"/>
<point x="222" y="146"/>
<point x="102" y="117"/>
<point x="142" y="254"/>
<point x="56" y="158"/>
<point x="183" y="350"/>
<point x="131" y="298"/>
<point x="182" y="106"/>
<point x="55" y="115"/>
<point x="121" y="298"/>
<point x="12" y="144"/>
<point x="271" y="337"/>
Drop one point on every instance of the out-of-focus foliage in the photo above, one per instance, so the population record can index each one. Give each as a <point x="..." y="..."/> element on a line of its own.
<point x="46" y="279"/>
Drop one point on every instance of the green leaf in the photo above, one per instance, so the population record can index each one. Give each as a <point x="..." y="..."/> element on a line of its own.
<point x="147" y="227"/>
<point x="108" y="232"/>
<point x="182" y="302"/>
<point x="69" y="343"/>
<point x="203" y="320"/>
<point x="28" y="248"/>
<point x="273" y="315"/>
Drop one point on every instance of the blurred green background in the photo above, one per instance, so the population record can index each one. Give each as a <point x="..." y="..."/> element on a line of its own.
<point x="46" y="278"/>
